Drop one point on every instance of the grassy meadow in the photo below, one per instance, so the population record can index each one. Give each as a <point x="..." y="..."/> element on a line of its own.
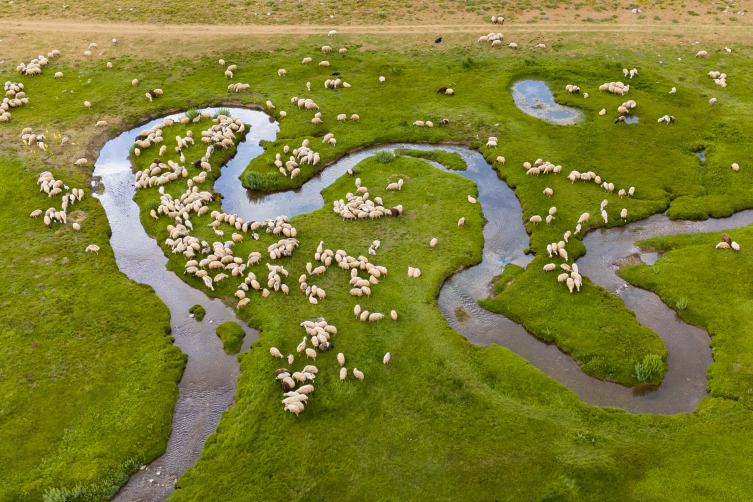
<point x="88" y="371"/>
<point x="688" y="278"/>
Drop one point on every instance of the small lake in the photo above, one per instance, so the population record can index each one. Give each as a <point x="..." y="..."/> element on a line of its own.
<point x="534" y="98"/>
<point x="631" y="119"/>
<point x="701" y="155"/>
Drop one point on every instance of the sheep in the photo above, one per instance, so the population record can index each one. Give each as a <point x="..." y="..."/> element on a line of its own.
<point x="472" y="200"/>
<point x="604" y="216"/>
<point x="603" y="111"/>
<point x="461" y="222"/>
<point x="735" y="246"/>
<point x="87" y="54"/>
<point x="535" y="219"/>
<point x="76" y="227"/>
<point x="722" y="245"/>
<point x="382" y="79"/>
<point x="549" y="267"/>
<point x="135" y="82"/>
<point x="324" y="63"/>
<point x="342" y="117"/>
<point x="540" y="46"/>
<point x="100" y="123"/>
<point x="87" y="104"/>
<point x="712" y="101"/>
<point x="306" y="60"/>
<point x="92" y="248"/>
<point x="358" y="374"/>
<point x="332" y="33"/>
<point x="548" y="192"/>
<point x="343" y="51"/>
<point x="623" y="214"/>
<point x="310" y="353"/>
<point x="81" y="162"/>
<point x="58" y="74"/>
<point x="735" y="167"/>
<point x="583" y="218"/>
<point x="673" y="90"/>
<point x="433" y="242"/>
<point x="393" y="315"/>
<point x="513" y="45"/>
<point x="282" y="72"/>
<point x="702" y="54"/>
<point x="449" y="92"/>
<point x="631" y="191"/>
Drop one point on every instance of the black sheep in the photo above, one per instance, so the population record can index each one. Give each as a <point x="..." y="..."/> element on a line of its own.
<point x="442" y="90"/>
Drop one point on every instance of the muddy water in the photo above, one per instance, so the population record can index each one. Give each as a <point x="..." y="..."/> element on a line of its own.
<point x="209" y="381"/>
<point x="534" y="98"/>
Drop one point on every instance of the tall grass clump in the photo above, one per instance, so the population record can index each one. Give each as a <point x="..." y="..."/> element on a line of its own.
<point x="682" y="304"/>
<point x="650" y="369"/>
<point x="221" y="111"/>
<point x="192" y="113"/>
<point x="384" y="156"/>
<point x="255" y="180"/>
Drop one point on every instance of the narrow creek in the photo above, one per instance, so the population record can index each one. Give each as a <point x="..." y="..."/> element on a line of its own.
<point x="209" y="382"/>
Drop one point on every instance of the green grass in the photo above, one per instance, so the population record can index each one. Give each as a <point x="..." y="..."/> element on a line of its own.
<point x="398" y="429"/>
<point x="691" y="273"/>
<point x="451" y="160"/>
<point x="198" y="312"/>
<point x="232" y="336"/>
<point x="523" y="435"/>
<point x="89" y="373"/>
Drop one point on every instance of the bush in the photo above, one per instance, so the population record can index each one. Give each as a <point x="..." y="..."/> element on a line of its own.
<point x="682" y="304"/>
<point x="192" y="113"/>
<point x="255" y="180"/>
<point x="650" y="370"/>
<point x="231" y="335"/>
<point x="198" y="312"/>
<point x="381" y="14"/>
<point x="384" y="156"/>
<point x="221" y="111"/>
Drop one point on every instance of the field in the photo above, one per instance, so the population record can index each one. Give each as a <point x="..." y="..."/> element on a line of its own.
<point x="89" y="371"/>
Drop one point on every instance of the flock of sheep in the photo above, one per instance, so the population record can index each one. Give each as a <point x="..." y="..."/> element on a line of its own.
<point x="15" y="97"/>
<point x="360" y="206"/>
<point x="52" y="187"/>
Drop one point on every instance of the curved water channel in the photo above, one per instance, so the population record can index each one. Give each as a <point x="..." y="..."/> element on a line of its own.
<point x="208" y="384"/>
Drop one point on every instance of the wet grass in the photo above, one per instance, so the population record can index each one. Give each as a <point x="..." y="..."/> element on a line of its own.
<point x="451" y="160"/>
<point x="691" y="274"/>
<point x="231" y="335"/>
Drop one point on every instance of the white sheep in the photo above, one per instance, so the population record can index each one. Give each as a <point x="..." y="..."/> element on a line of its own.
<point x="358" y="374"/>
<point x="332" y="33"/>
<point x="382" y="79"/>
<point x="433" y="242"/>
<point x="535" y="219"/>
<point x="281" y="72"/>
<point x="58" y="74"/>
<point x="461" y="222"/>
<point x="735" y="167"/>
<point x="92" y="248"/>
<point x="549" y="267"/>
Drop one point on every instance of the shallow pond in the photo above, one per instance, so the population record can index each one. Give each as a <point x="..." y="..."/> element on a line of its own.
<point x="534" y="98"/>
<point x="209" y="383"/>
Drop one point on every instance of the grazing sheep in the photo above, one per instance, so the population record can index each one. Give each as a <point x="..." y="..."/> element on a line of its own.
<point x="76" y="227"/>
<point x="343" y="373"/>
<point x="393" y="315"/>
<point x="673" y="90"/>
<point x="311" y="353"/>
<point x="513" y="45"/>
<point x="548" y="192"/>
<point x="281" y="72"/>
<point x="92" y="248"/>
<point x="549" y="267"/>
<point x="734" y="245"/>
<point x="343" y="51"/>
<point x="135" y="81"/>
<point x="603" y="111"/>
<point x="722" y="245"/>
<point x="358" y="374"/>
<point x="623" y="214"/>
<point x="58" y="74"/>
<point x="712" y="101"/>
<point x="382" y="79"/>
<point x="535" y="219"/>
<point x="87" y="104"/>
<point x="461" y="222"/>
<point x="702" y="54"/>
<point x="433" y="242"/>
<point x="81" y="162"/>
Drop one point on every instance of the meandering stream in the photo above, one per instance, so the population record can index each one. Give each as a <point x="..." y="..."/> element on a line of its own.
<point x="209" y="382"/>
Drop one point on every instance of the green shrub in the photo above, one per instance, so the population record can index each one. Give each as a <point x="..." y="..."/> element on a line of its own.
<point x="198" y="312"/>
<point x="381" y="14"/>
<point x="384" y="156"/>
<point x="221" y="111"/>
<point x="682" y="304"/>
<point x="231" y="335"/>
<point x="192" y="113"/>
<point x="255" y="180"/>
<point x="650" y="370"/>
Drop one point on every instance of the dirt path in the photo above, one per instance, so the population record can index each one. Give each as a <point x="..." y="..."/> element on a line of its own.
<point x="429" y="29"/>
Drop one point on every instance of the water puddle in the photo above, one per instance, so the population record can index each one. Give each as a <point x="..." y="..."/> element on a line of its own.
<point x="534" y="98"/>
